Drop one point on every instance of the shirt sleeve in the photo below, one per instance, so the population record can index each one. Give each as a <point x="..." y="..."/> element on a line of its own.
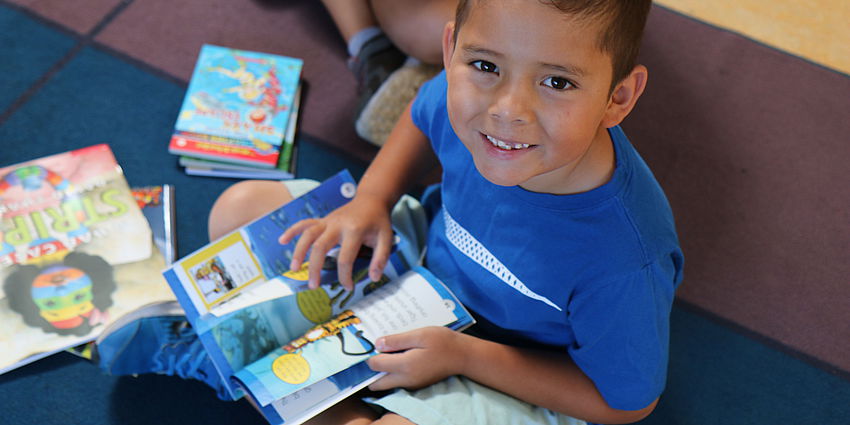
<point x="622" y="336"/>
<point x="428" y="111"/>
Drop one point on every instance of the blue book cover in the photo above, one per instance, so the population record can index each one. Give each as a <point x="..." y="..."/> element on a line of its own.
<point x="237" y="106"/>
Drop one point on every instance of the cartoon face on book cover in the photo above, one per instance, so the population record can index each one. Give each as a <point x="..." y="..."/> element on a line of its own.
<point x="240" y="94"/>
<point x="75" y="251"/>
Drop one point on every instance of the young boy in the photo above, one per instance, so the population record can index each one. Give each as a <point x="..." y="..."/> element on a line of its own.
<point x="550" y="227"/>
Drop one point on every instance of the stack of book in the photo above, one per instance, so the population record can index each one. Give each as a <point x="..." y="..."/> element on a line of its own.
<point x="239" y="116"/>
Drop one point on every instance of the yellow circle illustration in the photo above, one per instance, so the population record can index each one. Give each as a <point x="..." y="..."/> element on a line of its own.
<point x="300" y="274"/>
<point x="291" y="368"/>
<point x="315" y="305"/>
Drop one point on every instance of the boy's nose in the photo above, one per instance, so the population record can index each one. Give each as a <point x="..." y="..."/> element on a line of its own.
<point x="512" y="103"/>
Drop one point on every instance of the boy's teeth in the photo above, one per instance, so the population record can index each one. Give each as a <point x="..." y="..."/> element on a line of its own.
<point x="500" y="144"/>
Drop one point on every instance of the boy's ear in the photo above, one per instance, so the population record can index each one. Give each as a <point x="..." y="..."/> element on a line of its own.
<point x="624" y="96"/>
<point x="448" y="43"/>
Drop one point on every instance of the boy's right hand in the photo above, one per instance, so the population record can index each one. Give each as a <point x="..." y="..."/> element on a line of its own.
<point x="363" y="221"/>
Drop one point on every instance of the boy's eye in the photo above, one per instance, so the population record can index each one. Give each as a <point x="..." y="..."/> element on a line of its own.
<point x="558" y="83"/>
<point x="485" y="66"/>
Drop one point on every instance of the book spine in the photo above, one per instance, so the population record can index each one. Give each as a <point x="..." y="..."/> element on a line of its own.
<point x="237" y="174"/>
<point x="221" y="149"/>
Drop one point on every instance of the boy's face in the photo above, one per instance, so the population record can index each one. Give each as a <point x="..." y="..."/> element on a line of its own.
<point x="528" y="95"/>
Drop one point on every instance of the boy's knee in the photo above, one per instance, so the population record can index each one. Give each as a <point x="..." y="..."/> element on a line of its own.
<point x="392" y="419"/>
<point x="243" y="202"/>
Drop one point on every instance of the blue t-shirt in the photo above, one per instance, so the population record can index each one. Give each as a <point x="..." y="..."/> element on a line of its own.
<point x="592" y="273"/>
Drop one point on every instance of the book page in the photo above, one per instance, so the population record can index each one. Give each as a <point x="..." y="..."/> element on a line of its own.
<point x="210" y="277"/>
<point x="407" y="303"/>
<point x="310" y="401"/>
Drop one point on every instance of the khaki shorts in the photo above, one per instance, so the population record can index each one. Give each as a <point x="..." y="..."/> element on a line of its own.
<point x="461" y="401"/>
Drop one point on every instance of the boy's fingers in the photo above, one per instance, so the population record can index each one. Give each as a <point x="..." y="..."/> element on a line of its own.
<point x="388" y="382"/>
<point x="308" y="236"/>
<point x="295" y="230"/>
<point x="345" y="260"/>
<point x="385" y="363"/>
<point x="396" y="368"/>
<point x="383" y="384"/>
<point x="318" y="252"/>
<point x="398" y="342"/>
<point x="380" y="255"/>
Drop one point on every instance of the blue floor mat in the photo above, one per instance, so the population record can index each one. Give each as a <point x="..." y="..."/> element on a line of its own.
<point x="718" y="376"/>
<point x="25" y="59"/>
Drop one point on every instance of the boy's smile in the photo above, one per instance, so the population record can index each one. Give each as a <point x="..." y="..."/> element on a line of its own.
<point x="529" y="96"/>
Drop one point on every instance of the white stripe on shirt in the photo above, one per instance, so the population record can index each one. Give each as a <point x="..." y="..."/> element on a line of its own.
<point x="469" y="246"/>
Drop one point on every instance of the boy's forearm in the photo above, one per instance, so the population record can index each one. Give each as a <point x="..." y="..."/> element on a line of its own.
<point x="550" y="380"/>
<point x="404" y="158"/>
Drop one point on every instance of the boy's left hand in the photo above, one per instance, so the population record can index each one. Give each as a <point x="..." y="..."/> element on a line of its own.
<point x="418" y="358"/>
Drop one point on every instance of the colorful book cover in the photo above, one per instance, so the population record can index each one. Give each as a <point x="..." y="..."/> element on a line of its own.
<point x="237" y="106"/>
<point x="285" y="168"/>
<point x="76" y="253"/>
<point x="157" y="205"/>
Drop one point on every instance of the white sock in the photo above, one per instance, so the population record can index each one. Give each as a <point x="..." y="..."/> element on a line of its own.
<point x="360" y="38"/>
<point x="411" y="61"/>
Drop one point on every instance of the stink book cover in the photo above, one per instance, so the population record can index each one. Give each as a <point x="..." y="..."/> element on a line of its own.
<point x="157" y="205"/>
<point x="76" y="253"/>
<point x="237" y="106"/>
<point x="294" y="351"/>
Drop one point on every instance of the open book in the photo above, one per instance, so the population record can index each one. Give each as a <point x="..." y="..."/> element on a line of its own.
<point x="293" y="351"/>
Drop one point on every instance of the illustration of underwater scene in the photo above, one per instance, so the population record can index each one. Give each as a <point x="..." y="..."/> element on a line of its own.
<point x="248" y="334"/>
<point x="347" y="338"/>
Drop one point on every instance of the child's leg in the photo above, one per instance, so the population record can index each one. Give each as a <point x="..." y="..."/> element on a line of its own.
<point x="353" y="411"/>
<point x="350" y="411"/>
<point x="372" y="56"/>
<point x="416" y="26"/>
<point x="350" y="16"/>
<point x="243" y="202"/>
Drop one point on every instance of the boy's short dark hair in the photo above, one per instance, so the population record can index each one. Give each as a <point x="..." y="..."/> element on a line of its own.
<point x="623" y="24"/>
